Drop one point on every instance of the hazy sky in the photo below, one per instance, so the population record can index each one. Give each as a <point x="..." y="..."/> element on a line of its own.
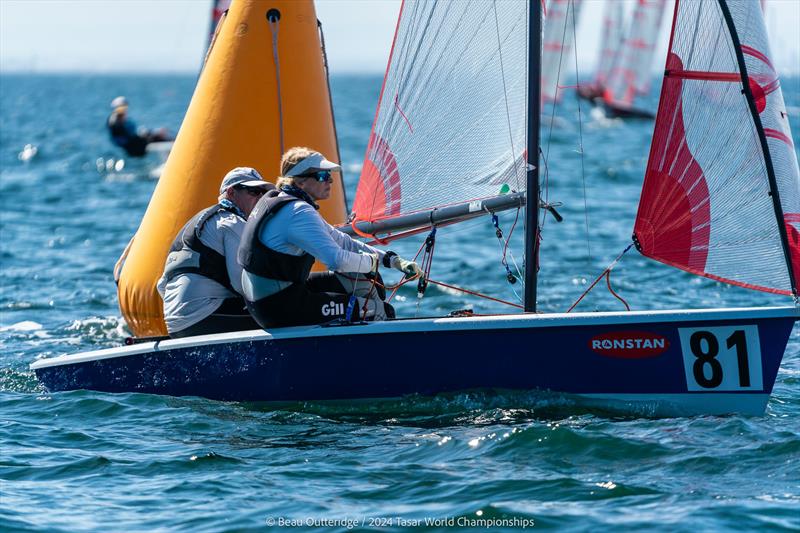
<point x="170" y="35"/>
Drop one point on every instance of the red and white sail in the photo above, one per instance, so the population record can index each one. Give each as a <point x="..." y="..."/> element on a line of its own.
<point x="218" y="7"/>
<point x="632" y="70"/>
<point x="613" y="20"/>
<point x="558" y="60"/>
<point x="721" y="134"/>
<point x="451" y="120"/>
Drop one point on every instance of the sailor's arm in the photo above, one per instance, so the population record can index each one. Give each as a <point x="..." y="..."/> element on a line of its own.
<point x="310" y="232"/>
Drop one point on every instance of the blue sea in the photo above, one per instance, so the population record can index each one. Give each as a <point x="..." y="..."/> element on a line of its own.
<point x="87" y="461"/>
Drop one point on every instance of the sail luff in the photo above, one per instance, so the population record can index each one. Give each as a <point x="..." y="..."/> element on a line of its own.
<point x="773" y="184"/>
<point x="380" y="96"/>
<point x="532" y="163"/>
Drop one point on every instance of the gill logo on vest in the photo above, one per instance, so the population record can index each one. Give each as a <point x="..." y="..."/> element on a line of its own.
<point x="332" y="308"/>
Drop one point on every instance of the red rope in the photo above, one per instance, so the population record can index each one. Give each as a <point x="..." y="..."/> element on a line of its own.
<point x="607" y="274"/>
<point x="587" y="291"/>
<point x="617" y="296"/>
<point x="475" y="294"/>
<point x="366" y="235"/>
<point x="404" y="281"/>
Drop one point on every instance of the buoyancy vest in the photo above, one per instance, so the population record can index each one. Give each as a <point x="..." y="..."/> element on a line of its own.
<point x="123" y="134"/>
<point x="188" y="255"/>
<point x="256" y="258"/>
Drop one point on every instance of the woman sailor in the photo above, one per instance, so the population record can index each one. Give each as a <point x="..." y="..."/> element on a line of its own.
<point x="283" y="237"/>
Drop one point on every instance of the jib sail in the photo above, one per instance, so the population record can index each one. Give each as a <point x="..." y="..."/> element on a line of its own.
<point x="721" y="194"/>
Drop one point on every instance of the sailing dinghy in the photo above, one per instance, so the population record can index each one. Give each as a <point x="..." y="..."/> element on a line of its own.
<point x="623" y="72"/>
<point x="721" y="199"/>
<point x="629" y="79"/>
<point x="610" y="44"/>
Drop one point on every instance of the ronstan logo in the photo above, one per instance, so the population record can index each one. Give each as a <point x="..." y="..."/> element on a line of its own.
<point x="629" y="344"/>
<point x="332" y="308"/>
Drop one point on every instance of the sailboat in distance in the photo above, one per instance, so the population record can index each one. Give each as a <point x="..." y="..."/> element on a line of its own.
<point x="610" y="44"/>
<point x="721" y="199"/>
<point x="558" y="40"/>
<point x="629" y="78"/>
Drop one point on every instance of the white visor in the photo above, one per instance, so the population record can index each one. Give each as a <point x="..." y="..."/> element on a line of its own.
<point x="312" y="163"/>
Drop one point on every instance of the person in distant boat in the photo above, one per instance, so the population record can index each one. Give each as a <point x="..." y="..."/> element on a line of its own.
<point x="283" y="237"/>
<point x="124" y="133"/>
<point x="202" y="282"/>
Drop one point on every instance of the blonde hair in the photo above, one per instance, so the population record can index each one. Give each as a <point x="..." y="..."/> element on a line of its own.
<point x="292" y="157"/>
<point x="284" y="180"/>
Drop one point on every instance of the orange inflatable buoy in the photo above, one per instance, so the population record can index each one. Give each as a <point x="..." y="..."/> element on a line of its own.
<point x="263" y="89"/>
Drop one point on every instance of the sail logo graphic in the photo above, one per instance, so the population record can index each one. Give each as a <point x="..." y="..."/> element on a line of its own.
<point x="332" y="308"/>
<point x="629" y="344"/>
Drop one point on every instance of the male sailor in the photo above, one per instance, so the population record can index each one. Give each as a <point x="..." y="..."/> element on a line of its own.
<point x="202" y="282"/>
<point x="283" y="237"/>
<point x="124" y="133"/>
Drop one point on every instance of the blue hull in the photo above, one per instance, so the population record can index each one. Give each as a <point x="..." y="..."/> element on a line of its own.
<point x="690" y="359"/>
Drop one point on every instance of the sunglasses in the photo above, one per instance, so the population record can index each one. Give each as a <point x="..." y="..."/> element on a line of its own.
<point x="321" y="176"/>
<point x="252" y="191"/>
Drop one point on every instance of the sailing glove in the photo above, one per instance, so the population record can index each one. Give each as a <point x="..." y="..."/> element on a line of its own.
<point x="374" y="263"/>
<point x="409" y="268"/>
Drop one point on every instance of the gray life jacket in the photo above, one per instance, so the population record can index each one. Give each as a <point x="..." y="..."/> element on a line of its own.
<point x="256" y="258"/>
<point x="188" y="255"/>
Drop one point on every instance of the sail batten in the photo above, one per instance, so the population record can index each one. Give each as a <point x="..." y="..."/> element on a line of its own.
<point x="722" y="188"/>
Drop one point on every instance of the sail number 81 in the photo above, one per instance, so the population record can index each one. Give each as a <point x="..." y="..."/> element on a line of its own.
<point x="720" y="359"/>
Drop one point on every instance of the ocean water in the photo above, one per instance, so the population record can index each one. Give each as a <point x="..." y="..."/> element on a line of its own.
<point x="86" y="461"/>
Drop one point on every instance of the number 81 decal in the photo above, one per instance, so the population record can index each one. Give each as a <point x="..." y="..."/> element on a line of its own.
<point x="721" y="359"/>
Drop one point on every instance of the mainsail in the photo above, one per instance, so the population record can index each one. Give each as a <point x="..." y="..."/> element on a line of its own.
<point x="611" y="42"/>
<point x="631" y="73"/>
<point x="610" y="45"/>
<point x="557" y="44"/>
<point x="450" y="126"/>
<point x="721" y="195"/>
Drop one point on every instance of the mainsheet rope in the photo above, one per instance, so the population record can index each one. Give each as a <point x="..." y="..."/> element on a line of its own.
<point x="605" y="274"/>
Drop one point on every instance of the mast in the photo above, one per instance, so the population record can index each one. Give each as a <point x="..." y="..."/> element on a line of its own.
<point x="773" y="183"/>
<point x="532" y="187"/>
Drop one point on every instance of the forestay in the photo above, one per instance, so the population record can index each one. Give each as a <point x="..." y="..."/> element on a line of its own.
<point x="559" y="36"/>
<point x="721" y="130"/>
<point x="632" y="72"/>
<point x="450" y="124"/>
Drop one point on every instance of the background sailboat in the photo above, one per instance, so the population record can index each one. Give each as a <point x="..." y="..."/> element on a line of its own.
<point x="609" y="49"/>
<point x="630" y="77"/>
<point x="557" y="45"/>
